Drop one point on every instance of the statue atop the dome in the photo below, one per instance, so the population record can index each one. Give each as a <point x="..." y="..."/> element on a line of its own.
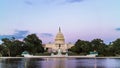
<point x="59" y="29"/>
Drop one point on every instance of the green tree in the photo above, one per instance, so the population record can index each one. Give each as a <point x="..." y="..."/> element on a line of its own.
<point x="81" y="46"/>
<point x="110" y="50"/>
<point x="12" y="47"/>
<point x="99" y="46"/>
<point x="7" y="43"/>
<point x="116" y="46"/>
<point x="33" y="44"/>
<point x="1" y="50"/>
<point x="17" y="48"/>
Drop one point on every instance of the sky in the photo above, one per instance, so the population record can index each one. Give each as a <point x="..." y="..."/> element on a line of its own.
<point x="78" y="19"/>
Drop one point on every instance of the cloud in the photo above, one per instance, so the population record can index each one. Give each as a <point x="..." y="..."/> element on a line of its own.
<point x="68" y="1"/>
<point x="28" y="2"/>
<point x="46" y="35"/>
<point x="31" y="2"/>
<point x="73" y="1"/>
<point x="118" y="29"/>
<point x="18" y="34"/>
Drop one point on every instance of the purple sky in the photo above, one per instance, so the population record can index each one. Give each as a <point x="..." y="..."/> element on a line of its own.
<point x="78" y="19"/>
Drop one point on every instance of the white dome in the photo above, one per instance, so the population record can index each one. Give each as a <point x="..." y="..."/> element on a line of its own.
<point x="59" y="38"/>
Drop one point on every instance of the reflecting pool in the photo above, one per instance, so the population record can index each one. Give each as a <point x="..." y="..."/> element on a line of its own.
<point x="60" y="63"/>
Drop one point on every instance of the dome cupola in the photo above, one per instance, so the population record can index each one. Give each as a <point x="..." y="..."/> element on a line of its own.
<point x="59" y="38"/>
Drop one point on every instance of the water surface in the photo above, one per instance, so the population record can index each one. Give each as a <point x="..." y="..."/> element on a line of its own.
<point x="60" y="63"/>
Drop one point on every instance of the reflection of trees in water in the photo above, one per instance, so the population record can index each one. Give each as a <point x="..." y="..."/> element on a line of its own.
<point x="60" y="63"/>
<point x="32" y="63"/>
<point x="86" y="63"/>
<point x="69" y="63"/>
<point x="22" y="63"/>
<point x="48" y="63"/>
<point x="12" y="63"/>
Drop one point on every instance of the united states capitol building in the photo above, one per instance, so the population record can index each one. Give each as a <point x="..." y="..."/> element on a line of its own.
<point x="59" y="43"/>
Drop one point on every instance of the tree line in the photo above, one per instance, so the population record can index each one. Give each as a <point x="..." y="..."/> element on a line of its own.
<point x="14" y="47"/>
<point x="32" y="44"/>
<point x="84" y="47"/>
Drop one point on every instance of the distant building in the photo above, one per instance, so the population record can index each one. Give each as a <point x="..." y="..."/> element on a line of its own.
<point x="58" y="43"/>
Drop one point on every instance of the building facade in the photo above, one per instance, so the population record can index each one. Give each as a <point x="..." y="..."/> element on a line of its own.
<point x="59" y="43"/>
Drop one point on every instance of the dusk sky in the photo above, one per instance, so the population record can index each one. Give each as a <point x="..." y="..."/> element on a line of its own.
<point x="78" y="19"/>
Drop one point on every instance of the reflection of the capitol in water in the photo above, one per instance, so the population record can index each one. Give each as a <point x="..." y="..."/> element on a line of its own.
<point x="47" y="63"/>
<point x="60" y="63"/>
<point x="66" y="63"/>
<point x="55" y="63"/>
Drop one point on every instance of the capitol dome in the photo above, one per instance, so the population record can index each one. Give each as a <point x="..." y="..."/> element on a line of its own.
<point x="59" y="44"/>
<point x="59" y="39"/>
